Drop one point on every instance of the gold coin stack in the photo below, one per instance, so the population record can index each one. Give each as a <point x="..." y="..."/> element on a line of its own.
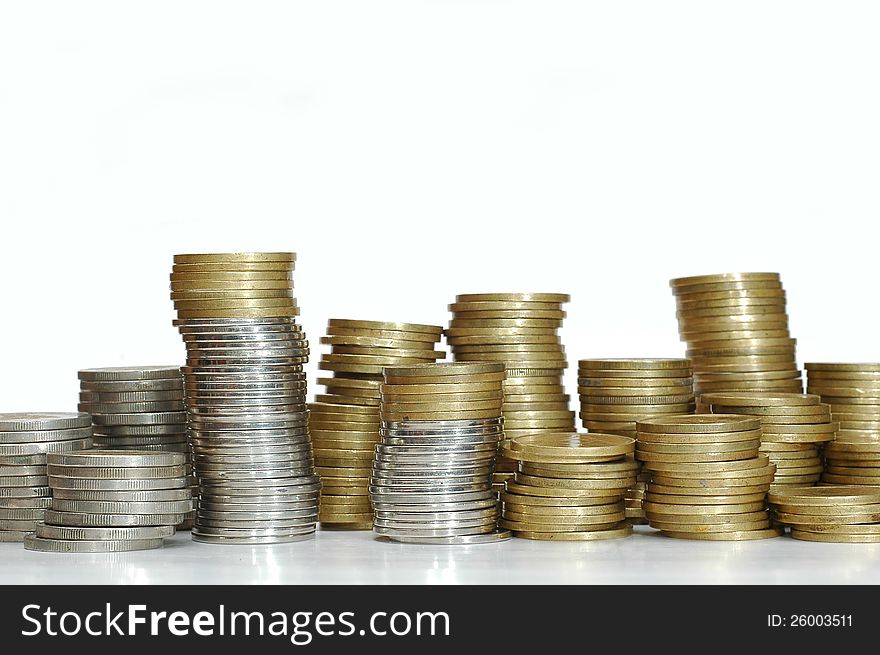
<point x="794" y="427"/>
<point x="736" y="329"/>
<point x="569" y="486"/>
<point x="521" y="331"/>
<point x="432" y="473"/>
<point x="245" y="395"/>
<point x="838" y="514"/>
<point x="344" y="421"/>
<point x="616" y="393"/>
<point x="853" y="393"/>
<point x="707" y="478"/>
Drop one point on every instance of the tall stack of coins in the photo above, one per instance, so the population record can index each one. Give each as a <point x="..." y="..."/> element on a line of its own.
<point x="245" y="394"/>
<point x="569" y="486"/>
<point x="345" y="421"/>
<point x="520" y="330"/>
<point x="794" y="427"/>
<point x="616" y="393"/>
<point x="432" y="472"/>
<point x="137" y="408"/>
<point x="853" y="393"/>
<point x="707" y="478"/>
<point x="736" y="329"/>
<point x="112" y="500"/>
<point x="842" y="514"/>
<point x="25" y="441"/>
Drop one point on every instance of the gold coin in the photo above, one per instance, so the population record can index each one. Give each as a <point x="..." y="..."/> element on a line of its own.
<point x="232" y="294"/>
<point x="752" y="400"/>
<point x="550" y="472"/>
<point x="637" y="396"/>
<point x="695" y="339"/>
<point x="446" y="398"/>
<point x="417" y="353"/>
<point x="556" y="314"/>
<point x="376" y="342"/>
<point x="401" y="390"/>
<point x="733" y="535"/>
<point x="235" y="258"/>
<point x="562" y="492"/>
<point x="834" y="478"/>
<point x="634" y="364"/>
<point x="444" y="369"/>
<point x="747" y="303"/>
<point x="394" y="335"/>
<point x="806" y="535"/>
<point x="264" y="312"/>
<point x="513" y="350"/>
<point x="681" y="510"/>
<point x="841" y="519"/>
<point x="512" y="340"/>
<point x="759" y="462"/>
<point x="621" y="408"/>
<point x="561" y="523"/>
<point x="699" y="438"/>
<point x="238" y="303"/>
<point x="842" y="496"/>
<point x="376" y="360"/>
<point x="840" y="367"/>
<point x="645" y="376"/>
<point x="513" y="297"/>
<point x="557" y="528"/>
<point x="441" y="406"/>
<point x="573" y="446"/>
<point x="353" y="383"/>
<point x="765" y="477"/>
<point x="854" y="529"/>
<point x="788" y="386"/>
<point x="536" y="398"/>
<point x="807" y="413"/>
<point x="230" y="276"/>
<point x="619" y="467"/>
<point x="699" y="423"/>
<point x="522" y="512"/>
<point x="732" y="295"/>
<point x="619" y="484"/>
<point x="833" y="513"/>
<point x="715" y="278"/>
<point x="451" y="415"/>
<point x="519" y="500"/>
<point x="643" y="448"/>
<point x="721" y="490"/>
<point x="594" y="535"/>
<point x="489" y="305"/>
<point x="384" y="326"/>
<point x="673" y="499"/>
<point x="367" y="413"/>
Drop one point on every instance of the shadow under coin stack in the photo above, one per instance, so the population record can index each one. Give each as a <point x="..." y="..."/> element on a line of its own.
<point x="245" y="394"/>
<point x="794" y="428"/>
<point x="519" y="330"/>
<point x="138" y="408"/>
<point x="107" y="501"/>
<point x="837" y="514"/>
<point x="569" y="486"/>
<point x="432" y="474"/>
<point x="345" y="421"/>
<point x="853" y="393"/>
<point x="616" y="393"/>
<point x="707" y="479"/>
<point x="25" y="441"/>
<point x="736" y="329"/>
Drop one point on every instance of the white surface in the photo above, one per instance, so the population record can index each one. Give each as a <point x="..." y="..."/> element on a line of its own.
<point x="358" y="558"/>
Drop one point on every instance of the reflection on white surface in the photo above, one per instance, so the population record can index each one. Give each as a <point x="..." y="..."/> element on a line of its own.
<point x="359" y="558"/>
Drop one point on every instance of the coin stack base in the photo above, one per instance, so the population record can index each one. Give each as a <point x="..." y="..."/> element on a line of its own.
<point x="25" y="441"/>
<point x="736" y="329"/>
<point x="708" y="480"/>
<point x="345" y="420"/>
<point x="569" y="486"/>
<point x="616" y="393"/>
<point x="431" y="478"/>
<point x="834" y="514"/>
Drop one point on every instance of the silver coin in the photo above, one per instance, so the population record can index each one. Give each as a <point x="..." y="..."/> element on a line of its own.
<point x="441" y="532"/>
<point x="21" y="513"/>
<point x="297" y="484"/>
<point x="75" y="533"/>
<point x="140" y="430"/>
<point x="197" y="387"/>
<point x="247" y="503"/>
<point x="448" y="433"/>
<point x="126" y="373"/>
<point x="280" y="537"/>
<point x="180" y="447"/>
<point x="238" y="476"/>
<point x="114" y="472"/>
<point x="254" y="350"/>
<point x="293" y="433"/>
<point x="248" y="336"/>
<point x="105" y="458"/>
<point x="272" y="524"/>
<point x="129" y="386"/>
<point x="99" y="410"/>
<point x="286" y="322"/>
<point x="434" y="442"/>
<point x="209" y="511"/>
<point x="440" y="507"/>
<point x="86" y="519"/>
<point x="232" y="399"/>
<point x="25" y="492"/>
<point x="24" y="481"/>
<point x="37" y="502"/>
<point x="98" y="484"/>
<point x="22" y="471"/>
<point x="296" y="456"/>
<point x="33" y="421"/>
<point x="13" y="536"/>
<point x="296" y="437"/>
<point x="462" y="540"/>
<point x="120" y="507"/>
<point x="252" y="532"/>
<point x="480" y="524"/>
<point x="429" y="486"/>
<point x="9" y="450"/>
<point x="269" y="453"/>
<point x="123" y="397"/>
<point x="140" y="418"/>
<point x="106" y="546"/>
<point x="489" y="513"/>
<point x="44" y="435"/>
<point x="454" y="424"/>
<point x="425" y="450"/>
<point x="135" y="442"/>
<point x="114" y="495"/>
<point x="429" y="462"/>
<point x="18" y="526"/>
<point x="432" y="498"/>
<point x="225" y="377"/>
<point x="203" y="369"/>
<point x="247" y="422"/>
<point x="288" y="411"/>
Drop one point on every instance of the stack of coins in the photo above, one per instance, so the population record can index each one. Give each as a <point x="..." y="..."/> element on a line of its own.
<point x="707" y="478"/>
<point x="519" y="330"/>
<point x="853" y="393"/>
<point x="736" y="329"/>
<point x="344" y="422"/>
<point x="245" y="395"/>
<point x="841" y="514"/>
<point x="569" y="486"/>
<point x="432" y="473"/>
<point x="25" y="440"/>
<point x="616" y="393"/>
<point x="138" y="408"/>
<point x="794" y="427"/>
<point x="112" y="500"/>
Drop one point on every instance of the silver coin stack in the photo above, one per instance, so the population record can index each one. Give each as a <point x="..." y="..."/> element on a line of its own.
<point x="138" y="408"/>
<point x="245" y="395"/>
<point x="107" y="501"/>
<point x="432" y="474"/>
<point x="25" y="440"/>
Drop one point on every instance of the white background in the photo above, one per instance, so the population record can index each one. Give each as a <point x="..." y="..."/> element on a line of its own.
<point x="409" y="151"/>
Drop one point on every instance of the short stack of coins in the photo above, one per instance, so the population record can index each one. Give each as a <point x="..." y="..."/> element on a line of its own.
<point x="138" y="408"/>
<point x="432" y="473"/>
<point x="707" y="478"/>
<point x="837" y="514"/>
<point x="616" y="393"/>
<point x="520" y="330"/>
<point x="245" y="395"/>
<point x="344" y="421"/>
<point x="794" y="428"/>
<point x="852" y="391"/>
<point x="25" y="441"/>
<point x="112" y="501"/>
<point x="736" y="329"/>
<point x="569" y="486"/>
